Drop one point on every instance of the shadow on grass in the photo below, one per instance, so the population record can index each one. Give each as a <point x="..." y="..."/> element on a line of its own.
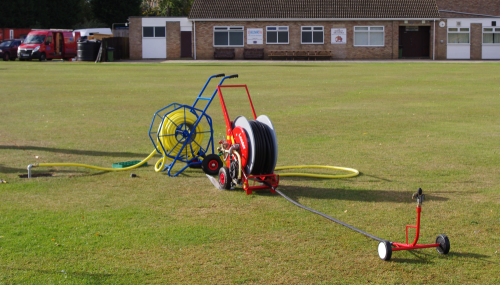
<point x="75" y="151"/>
<point x="426" y="257"/>
<point x="296" y="192"/>
<point x="480" y="257"/>
<point x="94" y="278"/>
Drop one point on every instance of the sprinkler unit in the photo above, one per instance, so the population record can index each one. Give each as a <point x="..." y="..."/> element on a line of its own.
<point x="442" y="245"/>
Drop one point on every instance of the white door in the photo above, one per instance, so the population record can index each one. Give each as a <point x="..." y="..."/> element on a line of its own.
<point x="154" y="42"/>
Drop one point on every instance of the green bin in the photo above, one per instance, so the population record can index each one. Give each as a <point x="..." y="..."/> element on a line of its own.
<point x="111" y="53"/>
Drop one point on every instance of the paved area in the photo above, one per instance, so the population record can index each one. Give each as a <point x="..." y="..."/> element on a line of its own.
<point x="304" y="61"/>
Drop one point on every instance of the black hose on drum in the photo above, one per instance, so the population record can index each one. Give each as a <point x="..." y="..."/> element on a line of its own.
<point x="264" y="148"/>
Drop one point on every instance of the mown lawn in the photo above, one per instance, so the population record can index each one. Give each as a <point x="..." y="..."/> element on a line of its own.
<point x="402" y="125"/>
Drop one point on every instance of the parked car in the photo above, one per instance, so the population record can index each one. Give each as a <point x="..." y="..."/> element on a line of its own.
<point x="8" y="49"/>
<point x="49" y="44"/>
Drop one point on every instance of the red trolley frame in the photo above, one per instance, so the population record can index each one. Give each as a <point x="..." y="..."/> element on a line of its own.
<point x="249" y="181"/>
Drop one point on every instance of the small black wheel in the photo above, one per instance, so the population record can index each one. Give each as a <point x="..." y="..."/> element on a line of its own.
<point x="385" y="250"/>
<point x="43" y="57"/>
<point x="444" y="244"/>
<point x="6" y="56"/>
<point x="224" y="178"/>
<point x="211" y="164"/>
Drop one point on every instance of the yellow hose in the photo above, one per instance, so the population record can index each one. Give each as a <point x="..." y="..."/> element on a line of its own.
<point x="167" y="137"/>
<point x="354" y="171"/>
<point x="97" y="167"/>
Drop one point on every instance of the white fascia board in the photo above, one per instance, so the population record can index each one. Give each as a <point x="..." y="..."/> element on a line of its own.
<point x="312" y="19"/>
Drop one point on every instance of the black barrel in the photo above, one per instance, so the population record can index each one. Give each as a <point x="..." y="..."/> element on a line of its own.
<point x="87" y="50"/>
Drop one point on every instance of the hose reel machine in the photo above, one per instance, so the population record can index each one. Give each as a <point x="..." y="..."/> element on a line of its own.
<point x="250" y="150"/>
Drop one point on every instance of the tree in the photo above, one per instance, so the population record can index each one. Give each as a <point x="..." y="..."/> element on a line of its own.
<point x="115" y="11"/>
<point x="41" y="14"/>
<point x="166" y="7"/>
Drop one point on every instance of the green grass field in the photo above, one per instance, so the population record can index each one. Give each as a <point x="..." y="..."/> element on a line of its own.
<point x="402" y="125"/>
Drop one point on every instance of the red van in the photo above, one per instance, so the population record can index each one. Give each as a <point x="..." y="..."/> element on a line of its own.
<point x="49" y="44"/>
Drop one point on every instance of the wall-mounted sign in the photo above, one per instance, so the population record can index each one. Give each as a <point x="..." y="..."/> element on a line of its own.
<point x="339" y="36"/>
<point x="411" y="28"/>
<point x="255" y="36"/>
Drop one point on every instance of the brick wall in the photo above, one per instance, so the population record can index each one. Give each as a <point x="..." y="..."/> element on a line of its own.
<point x="135" y="38"/>
<point x="173" y="40"/>
<point x="441" y="39"/>
<point x="205" y="49"/>
<point x="476" y="39"/>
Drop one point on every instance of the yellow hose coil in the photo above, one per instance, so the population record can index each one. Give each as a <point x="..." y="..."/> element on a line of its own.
<point x="168" y="138"/>
<point x="168" y="135"/>
<point x="354" y="171"/>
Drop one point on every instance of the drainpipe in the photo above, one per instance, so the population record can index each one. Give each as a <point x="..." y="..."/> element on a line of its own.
<point x="434" y="41"/>
<point x="194" y="39"/>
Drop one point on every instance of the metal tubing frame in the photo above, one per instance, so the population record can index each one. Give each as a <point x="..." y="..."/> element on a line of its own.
<point x="199" y="114"/>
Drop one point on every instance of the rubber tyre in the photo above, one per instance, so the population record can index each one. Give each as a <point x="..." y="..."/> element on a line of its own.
<point x="43" y="57"/>
<point x="211" y="164"/>
<point x="444" y="244"/>
<point x="385" y="250"/>
<point x="6" y="56"/>
<point x="224" y="178"/>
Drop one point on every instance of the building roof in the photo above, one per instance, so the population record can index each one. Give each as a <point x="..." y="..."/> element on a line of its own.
<point x="312" y="9"/>
<point x="468" y="9"/>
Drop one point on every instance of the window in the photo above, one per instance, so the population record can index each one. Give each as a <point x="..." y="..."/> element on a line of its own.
<point x="458" y="35"/>
<point x="153" y="32"/>
<point x="491" y="35"/>
<point x="276" y="35"/>
<point x="312" y="35"/>
<point x="228" y="36"/>
<point x="369" y="36"/>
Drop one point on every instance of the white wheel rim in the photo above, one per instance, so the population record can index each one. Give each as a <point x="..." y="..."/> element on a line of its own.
<point x="382" y="250"/>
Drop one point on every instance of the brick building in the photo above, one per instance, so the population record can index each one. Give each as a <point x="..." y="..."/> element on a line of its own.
<point x="469" y="29"/>
<point x="348" y="29"/>
<point x="340" y="29"/>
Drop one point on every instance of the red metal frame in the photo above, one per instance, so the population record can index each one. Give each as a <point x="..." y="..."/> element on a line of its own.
<point x="272" y="179"/>
<point x="414" y="245"/>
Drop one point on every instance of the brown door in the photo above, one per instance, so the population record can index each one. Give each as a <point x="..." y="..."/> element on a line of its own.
<point x="415" y="41"/>
<point x="186" y="44"/>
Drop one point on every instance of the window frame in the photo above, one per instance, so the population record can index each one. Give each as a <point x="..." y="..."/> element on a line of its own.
<point x="277" y="38"/>
<point x="154" y="32"/>
<point x="312" y="35"/>
<point x="459" y="31"/>
<point x="495" y="30"/>
<point x="228" y="29"/>
<point x="369" y="31"/>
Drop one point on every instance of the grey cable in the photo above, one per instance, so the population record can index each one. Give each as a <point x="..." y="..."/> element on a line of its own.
<point x="326" y="216"/>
